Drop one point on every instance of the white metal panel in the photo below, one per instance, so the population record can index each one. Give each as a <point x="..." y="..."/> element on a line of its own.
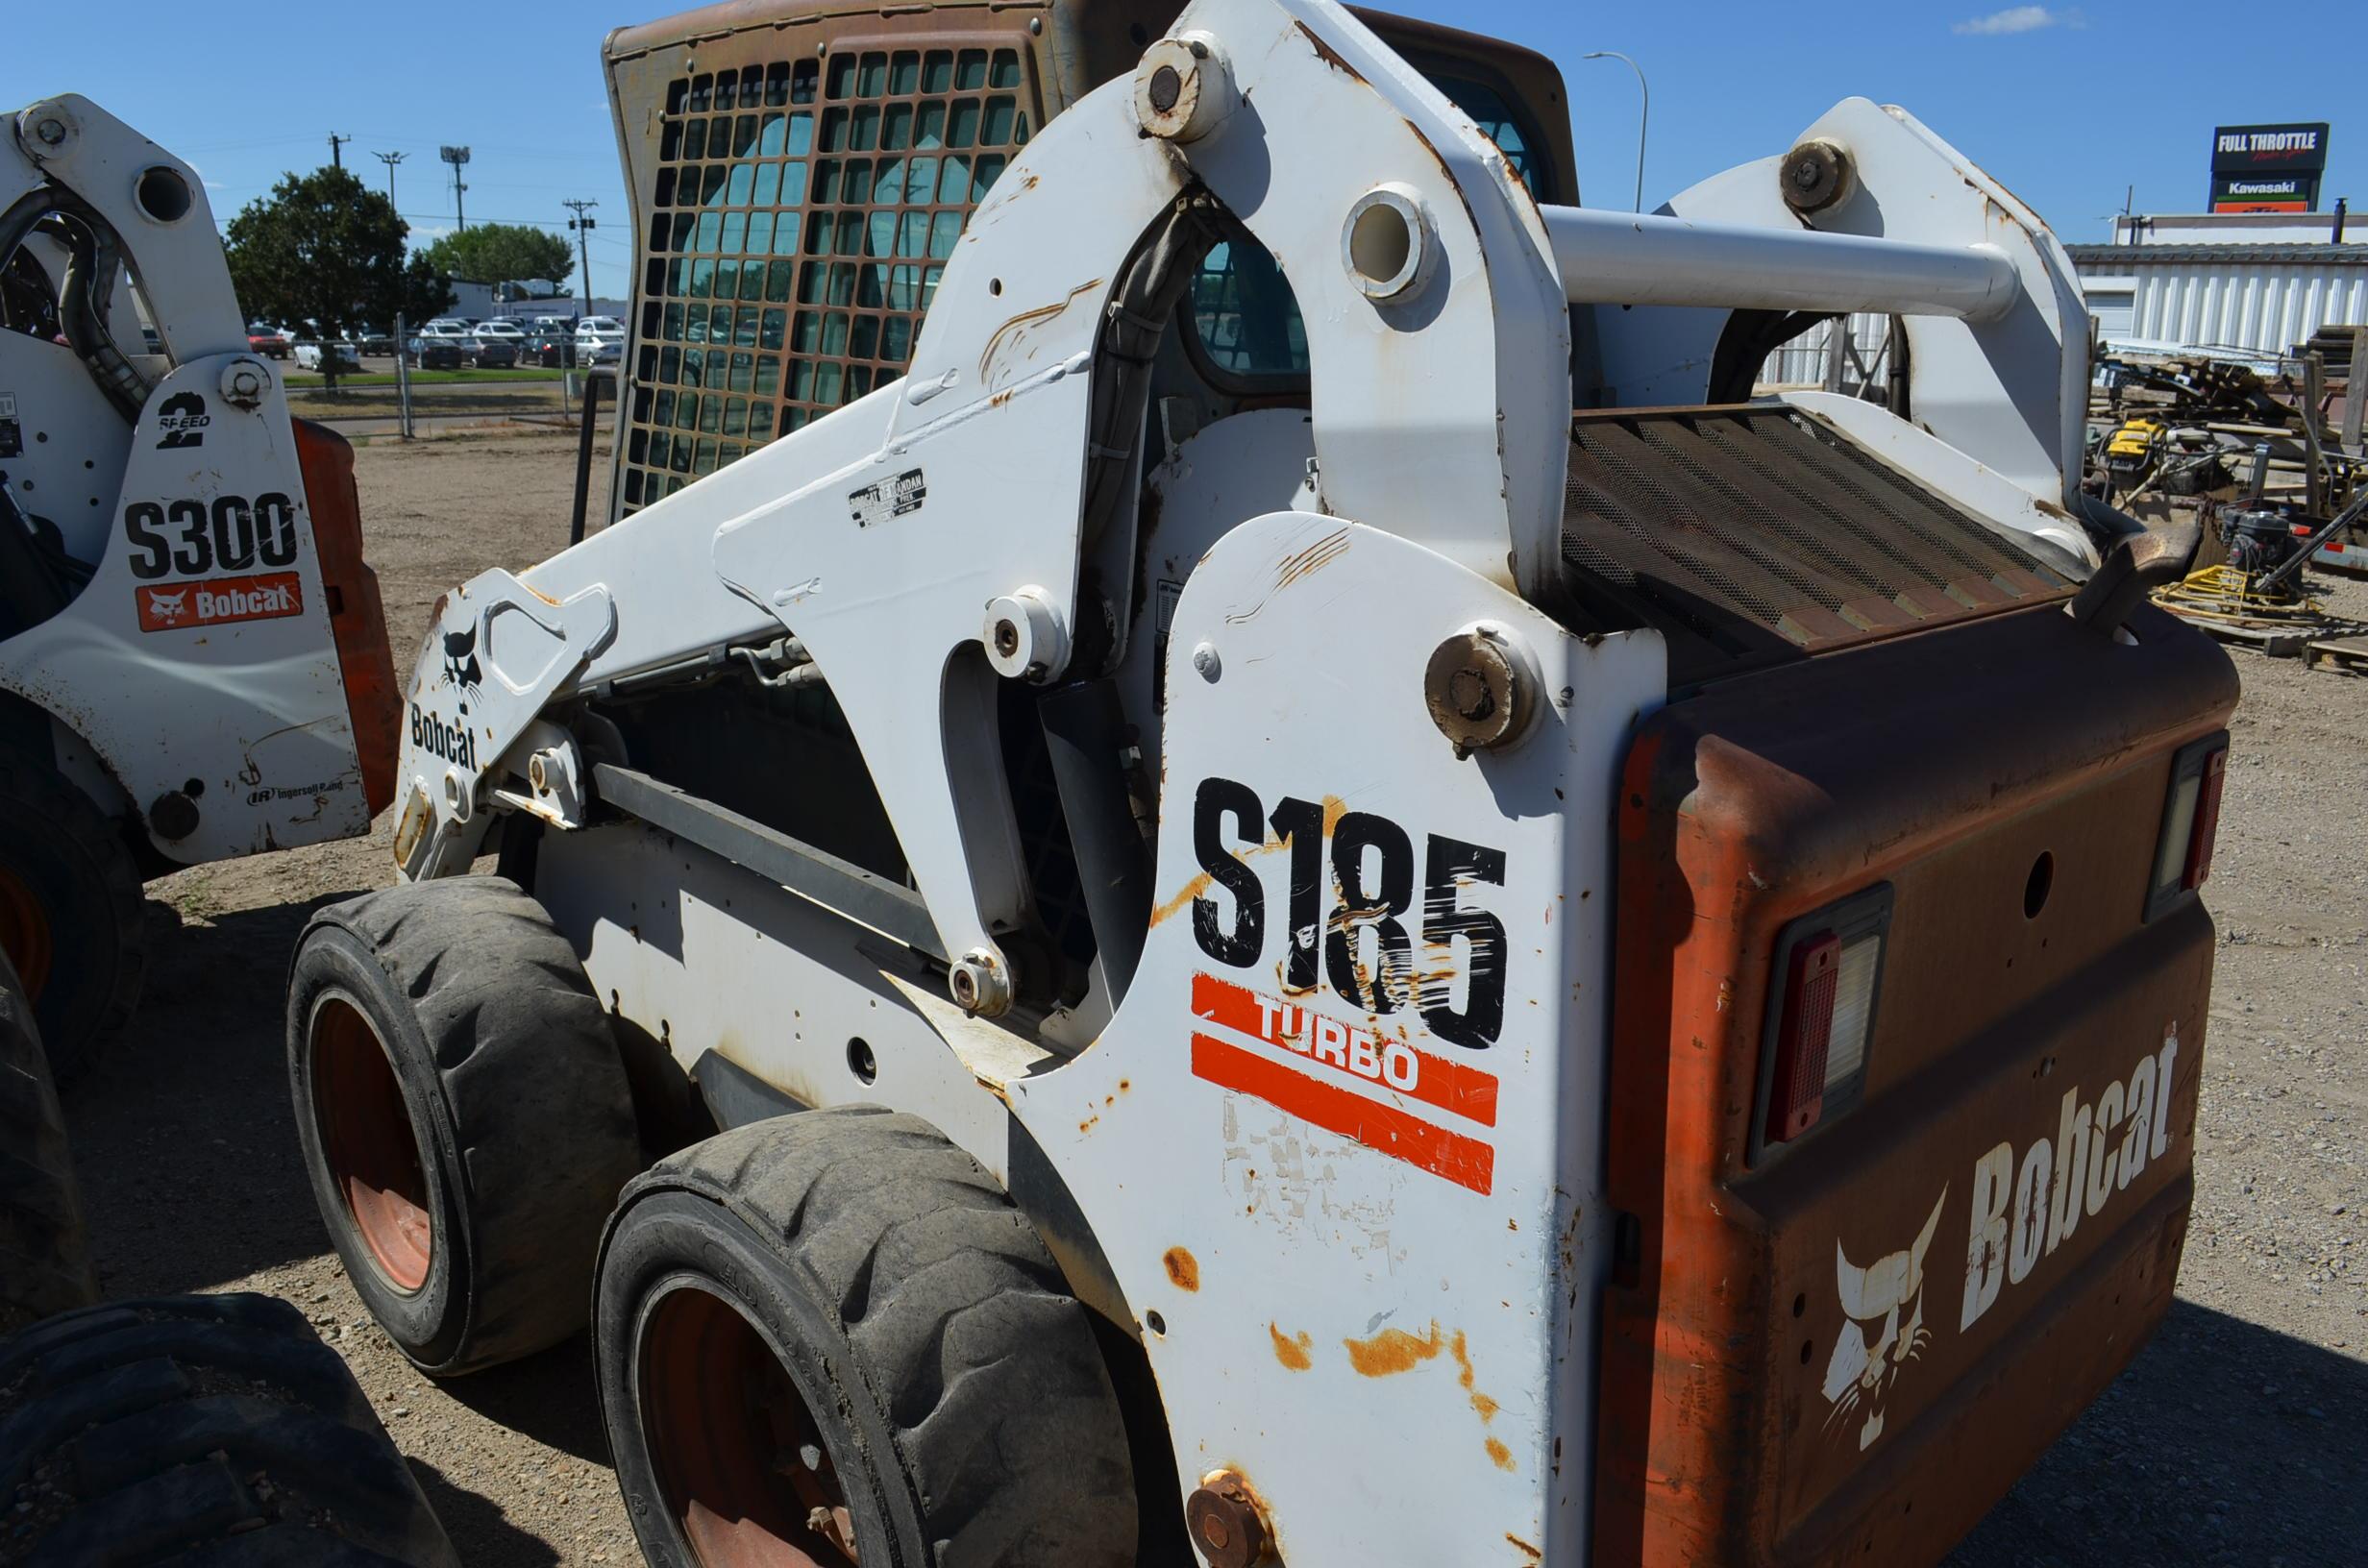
<point x="2264" y="307"/>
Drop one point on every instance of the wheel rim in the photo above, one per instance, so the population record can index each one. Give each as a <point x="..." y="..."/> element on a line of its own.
<point x="24" y="933"/>
<point x="739" y="1458"/>
<point x="367" y="1141"/>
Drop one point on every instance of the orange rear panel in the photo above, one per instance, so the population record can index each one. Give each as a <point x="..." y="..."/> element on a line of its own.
<point x="357" y="617"/>
<point x="1846" y="1348"/>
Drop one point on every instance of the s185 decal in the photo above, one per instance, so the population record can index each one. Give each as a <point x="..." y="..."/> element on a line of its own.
<point x="1370" y="888"/>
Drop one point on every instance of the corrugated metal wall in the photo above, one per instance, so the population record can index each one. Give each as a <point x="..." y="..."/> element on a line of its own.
<point x="1802" y="361"/>
<point x="2259" y="306"/>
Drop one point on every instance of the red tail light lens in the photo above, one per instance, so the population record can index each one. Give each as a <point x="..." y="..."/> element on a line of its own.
<point x="1827" y="969"/>
<point x="2191" y="822"/>
<point x="1804" y="1039"/>
<point x="2206" y="820"/>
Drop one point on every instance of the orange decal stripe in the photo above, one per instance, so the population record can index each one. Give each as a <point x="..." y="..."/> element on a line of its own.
<point x="1436" y="1080"/>
<point x="1385" y="1129"/>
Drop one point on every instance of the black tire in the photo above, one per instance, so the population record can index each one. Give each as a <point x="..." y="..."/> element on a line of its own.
<point x="464" y="1113"/>
<point x="44" y="1254"/>
<point x="213" y="1432"/>
<point x="71" y="915"/>
<point x="915" y="1343"/>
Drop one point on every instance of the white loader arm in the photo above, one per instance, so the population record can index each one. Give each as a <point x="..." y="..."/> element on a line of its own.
<point x="924" y="541"/>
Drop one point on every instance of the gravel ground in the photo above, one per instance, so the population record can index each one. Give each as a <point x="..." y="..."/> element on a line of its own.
<point x="2240" y="1435"/>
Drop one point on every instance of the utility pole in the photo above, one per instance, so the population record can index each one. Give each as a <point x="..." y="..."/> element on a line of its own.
<point x="390" y="159"/>
<point x="456" y="156"/>
<point x="337" y="142"/>
<point x="584" y="228"/>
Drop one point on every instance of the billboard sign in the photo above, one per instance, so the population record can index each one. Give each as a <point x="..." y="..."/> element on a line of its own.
<point x="2267" y="168"/>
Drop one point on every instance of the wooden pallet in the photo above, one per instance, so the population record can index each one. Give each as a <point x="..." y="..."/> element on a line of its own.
<point x="2346" y="656"/>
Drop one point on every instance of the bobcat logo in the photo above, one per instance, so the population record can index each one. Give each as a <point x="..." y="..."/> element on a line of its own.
<point x="1861" y="1374"/>
<point x="460" y="668"/>
<point x="168" y="606"/>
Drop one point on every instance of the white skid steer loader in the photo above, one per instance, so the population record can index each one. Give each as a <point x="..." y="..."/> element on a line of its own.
<point x="1285" y="884"/>
<point x="193" y="661"/>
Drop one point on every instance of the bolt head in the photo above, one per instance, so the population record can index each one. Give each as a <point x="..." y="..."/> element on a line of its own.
<point x="51" y="131"/>
<point x="1167" y="86"/>
<point x="1226" y="1524"/>
<point x="1206" y="661"/>
<point x="979" y="984"/>
<point x="1481" y="690"/>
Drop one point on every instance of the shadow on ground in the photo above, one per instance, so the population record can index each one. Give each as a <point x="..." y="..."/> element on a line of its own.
<point x="2224" y="1443"/>
<point x="480" y="1534"/>
<point x="181" y="1130"/>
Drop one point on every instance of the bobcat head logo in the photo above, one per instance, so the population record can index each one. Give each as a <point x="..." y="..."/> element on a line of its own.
<point x="1885" y="1297"/>
<point x="461" y="666"/>
<point x="168" y="606"/>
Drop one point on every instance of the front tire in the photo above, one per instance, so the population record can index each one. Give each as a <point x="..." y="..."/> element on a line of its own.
<point x="464" y="1116"/>
<point x="830" y="1338"/>
<point x="213" y="1432"/>
<point x="70" y="914"/>
<point x="44" y="1256"/>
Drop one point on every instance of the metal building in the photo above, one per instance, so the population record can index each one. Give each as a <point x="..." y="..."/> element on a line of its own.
<point x="2257" y="283"/>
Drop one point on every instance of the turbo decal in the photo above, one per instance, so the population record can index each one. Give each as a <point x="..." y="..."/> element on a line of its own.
<point x="1347" y="1053"/>
<point x="175" y="606"/>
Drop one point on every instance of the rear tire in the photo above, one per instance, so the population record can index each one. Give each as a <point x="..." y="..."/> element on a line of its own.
<point x="833" y="1328"/>
<point x="464" y="1116"/>
<point x="44" y="1254"/>
<point x="71" y="915"/>
<point x="215" y="1432"/>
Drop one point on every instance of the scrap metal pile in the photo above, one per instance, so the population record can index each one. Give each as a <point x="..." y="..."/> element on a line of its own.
<point x="2269" y="467"/>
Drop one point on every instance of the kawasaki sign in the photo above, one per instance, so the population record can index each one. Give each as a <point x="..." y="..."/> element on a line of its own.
<point x="2267" y="168"/>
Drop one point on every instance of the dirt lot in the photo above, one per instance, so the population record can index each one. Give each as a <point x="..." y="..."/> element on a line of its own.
<point x="2240" y="1435"/>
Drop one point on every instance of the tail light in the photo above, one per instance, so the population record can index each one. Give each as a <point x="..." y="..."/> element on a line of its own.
<point x="2191" y="822"/>
<point x="1827" y="975"/>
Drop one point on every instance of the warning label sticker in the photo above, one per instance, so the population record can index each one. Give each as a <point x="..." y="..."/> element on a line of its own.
<point x="174" y="607"/>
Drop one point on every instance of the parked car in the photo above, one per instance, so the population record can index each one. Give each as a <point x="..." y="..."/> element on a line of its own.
<point x="428" y="353"/>
<point x="492" y="352"/>
<point x="448" y="330"/>
<point x="371" y="341"/>
<point x="597" y="332"/>
<point x="549" y="347"/>
<point x="308" y="356"/>
<point x="267" y="341"/>
<point x="502" y="329"/>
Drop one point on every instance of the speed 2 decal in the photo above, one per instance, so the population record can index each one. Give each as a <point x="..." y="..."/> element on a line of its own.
<point x="1370" y="1084"/>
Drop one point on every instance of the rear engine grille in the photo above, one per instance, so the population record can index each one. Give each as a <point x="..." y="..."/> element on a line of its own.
<point x="1749" y="535"/>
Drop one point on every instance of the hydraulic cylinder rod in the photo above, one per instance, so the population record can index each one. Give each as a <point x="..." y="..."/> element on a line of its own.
<point x="1645" y="258"/>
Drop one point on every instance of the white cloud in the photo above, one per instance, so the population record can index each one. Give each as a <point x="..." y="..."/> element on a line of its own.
<point x="2018" y="20"/>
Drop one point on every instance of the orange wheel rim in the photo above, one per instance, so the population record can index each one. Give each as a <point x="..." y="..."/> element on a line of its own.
<point x="368" y="1143"/>
<point x="24" y="933"/>
<point x="740" y="1461"/>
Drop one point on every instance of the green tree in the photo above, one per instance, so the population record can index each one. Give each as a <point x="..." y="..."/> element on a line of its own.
<point x="325" y="250"/>
<point x="494" y="253"/>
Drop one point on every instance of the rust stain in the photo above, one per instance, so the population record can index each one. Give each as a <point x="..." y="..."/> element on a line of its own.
<point x="1030" y="318"/>
<point x="1393" y="1350"/>
<point x="1330" y="56"/>
<point x="1087" y="1125"/>
<point x="1486" y="1406"/>
<point x="1293" y="1350"/>
<point x="1183" y="1268"/>
<point x="1500" y="1454"/>
<point x="1200" y="881"/>
<point x="1312" y="560"/>
<point x="1519" y="1545"/>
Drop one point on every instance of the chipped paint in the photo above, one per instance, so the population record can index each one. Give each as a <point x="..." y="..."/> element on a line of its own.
<point x="1296" y="1351"/>
<point x="1183" y="1268"/>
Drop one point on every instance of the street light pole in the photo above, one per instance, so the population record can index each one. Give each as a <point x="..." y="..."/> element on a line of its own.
<point x="390" y="159"/>
<point x="583" y="227"/>
<point x="1644" y="110"/>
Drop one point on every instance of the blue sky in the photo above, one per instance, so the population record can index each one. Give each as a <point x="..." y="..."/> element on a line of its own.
<point x="2066" y="105"/>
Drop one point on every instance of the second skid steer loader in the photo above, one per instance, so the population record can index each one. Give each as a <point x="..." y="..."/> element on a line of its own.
<point x="1226" y="861"/>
